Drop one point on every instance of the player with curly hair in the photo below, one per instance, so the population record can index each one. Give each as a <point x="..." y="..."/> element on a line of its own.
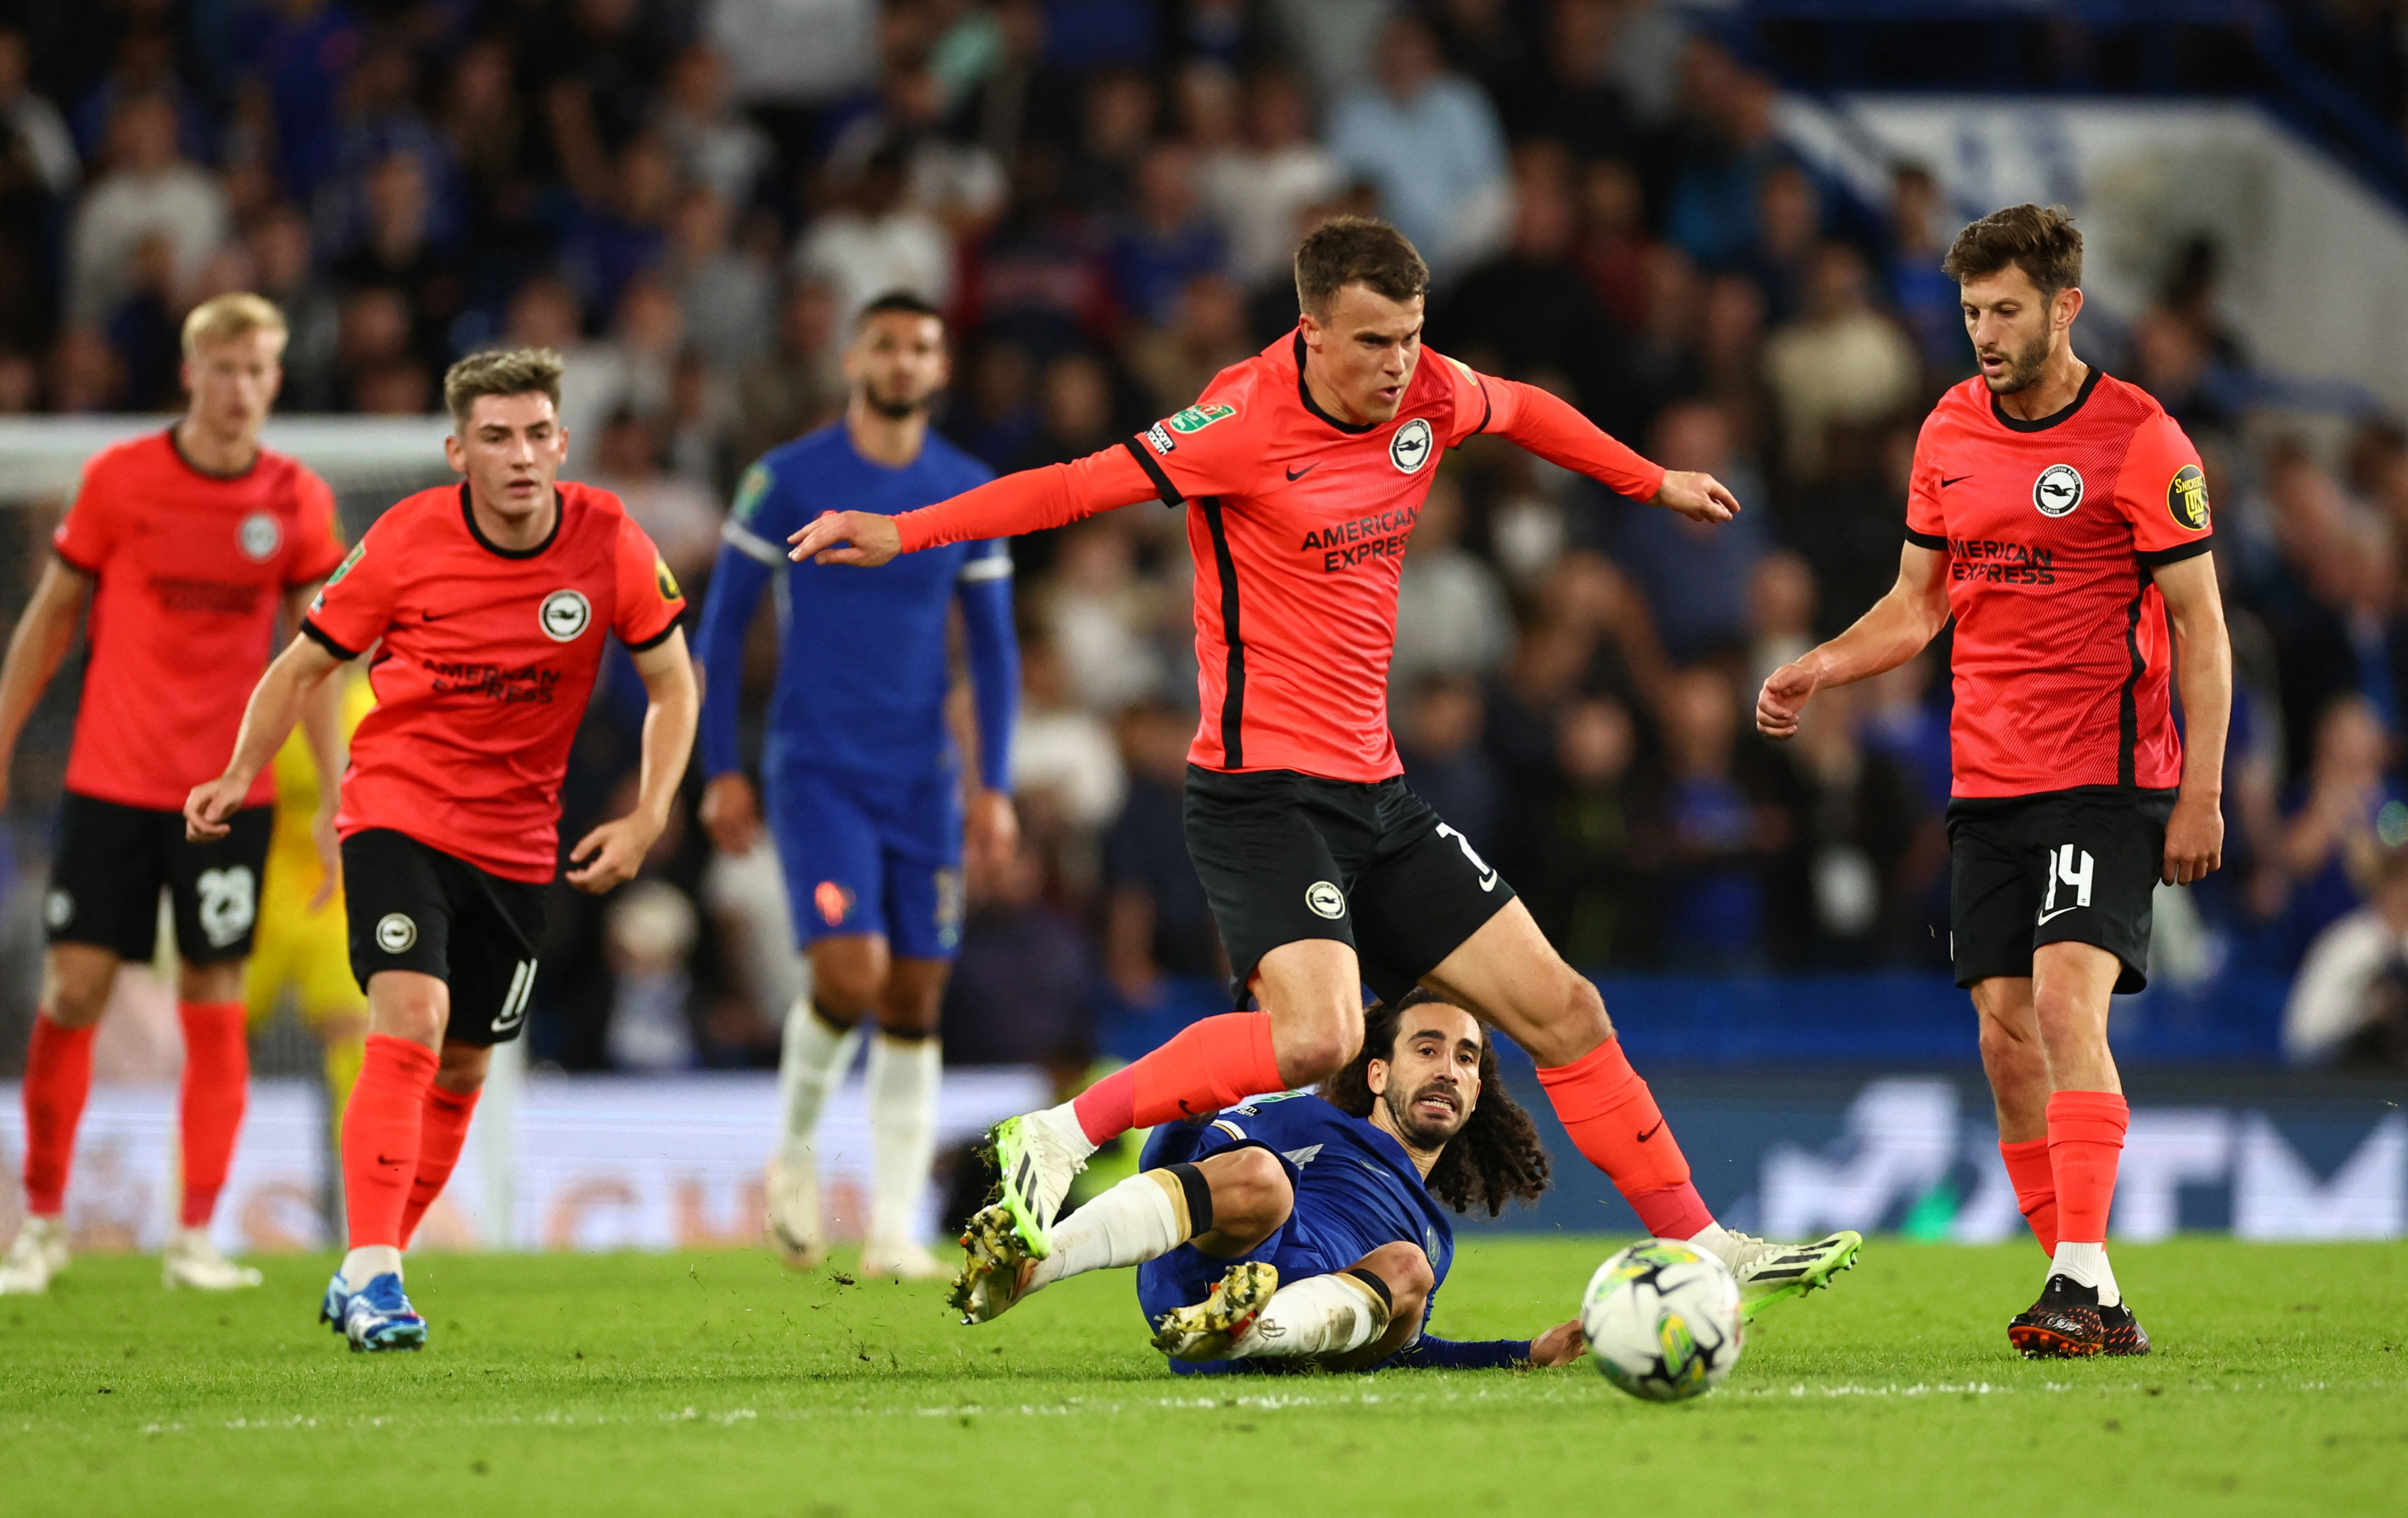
<point x="1307" y="1229"/>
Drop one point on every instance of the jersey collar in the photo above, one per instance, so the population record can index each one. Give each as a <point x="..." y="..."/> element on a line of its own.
<point x="2065" y="413"/>
<point x="175" y="445"/>
<point x="1304" y="393"/>
<point x="468" y="515"/>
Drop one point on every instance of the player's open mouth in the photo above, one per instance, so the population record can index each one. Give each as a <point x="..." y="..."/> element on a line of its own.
<point x="1437" y="1103"/>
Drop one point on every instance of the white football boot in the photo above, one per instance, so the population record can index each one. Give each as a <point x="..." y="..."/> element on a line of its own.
<point x="790" y="1225"/>
<point x="39" y="1253"/>
<point x="194" y="1260"/>
<point x="1771" y="1273"/>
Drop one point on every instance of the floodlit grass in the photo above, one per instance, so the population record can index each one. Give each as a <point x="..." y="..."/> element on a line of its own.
<point x="704" y="1385"/>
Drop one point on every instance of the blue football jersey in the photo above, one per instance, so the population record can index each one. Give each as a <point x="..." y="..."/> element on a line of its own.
<point x="864" y="668"/>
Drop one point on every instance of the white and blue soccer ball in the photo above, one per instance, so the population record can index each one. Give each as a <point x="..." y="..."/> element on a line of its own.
<point x="1663" y="1320"/>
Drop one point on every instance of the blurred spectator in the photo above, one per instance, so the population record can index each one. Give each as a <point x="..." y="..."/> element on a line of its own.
<point x="1579" y="848"/>
<point x="1615" y="248"/>
<point x="1099" y="613"/>
<point x="1842" y="361"/>
<point x="874" y="241"/>
<point x="1019" y="96"/>
<point x="1116" y="128"/>
<point x="618" y="236"/>
<point x="143" y="66"/>
<point x="679" y="515"/>
<point x="1725" y="818"/>
<point x="1870" y="848"/>
<point x="1168" y="240"/>
<point x="1156" y="920"/>
<point x="146" y="189"/>
<point x="1695" y="575"/>
<point x="1257" y="191"/>
<point x="1527" y="310"/>
<point x="728" y="295"/>
<point x="799" y="385"/>
<point x="960" y="184"/>
<point x="1452" y="616"/>
<point x="647" y="934"/>
<point x="372" y="336"/>
<point x="2348" y="804"/>
<point x="304" y="57"/>
<point x="396" y="253"/>
<point x="1903" y="723"/>
<point x="1023" y="990"/>
<point x="1925" y="297"/>
<point x="1572" y="95"/>
<point x="1490" y="42"/>
<point x="1430" y="144"/>
<point x="1780" y="615"/>
<point x="2166" y="357"/>
<point x="716" y="148"/>
<point x="1063" y="756"/>
<point x="1438" y="738"/>
<point x="38" y="134"/>
<point x="1788" y="221"/>
<point x="144" y="329"/>
<point x="2349" y="1005"/>
<point x="1848" y="524"/>
<point x="1000" y="422"/>
<point x="1663" y="361"/>
<point x="86" y="374"/>
<point x="1074" y="416"/>
<point x="1723" y="146"/>
<point x="1207" y="334"/>
<point x="793" y="51"/>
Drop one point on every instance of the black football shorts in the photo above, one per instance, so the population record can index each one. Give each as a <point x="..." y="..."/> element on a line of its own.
<point x="2078" y="866"/>
<point x="416" y="908"/>
<point x="111" y="861"/>
<point x="1286" y="858"/>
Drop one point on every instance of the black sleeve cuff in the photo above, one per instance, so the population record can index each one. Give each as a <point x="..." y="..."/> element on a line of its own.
<point x="656" y="640"/>
<point x="1162" y="488"/>
<point x="1933" y="541"/>
<point x="317" y="634"/>
<point x="2159" y="558"/>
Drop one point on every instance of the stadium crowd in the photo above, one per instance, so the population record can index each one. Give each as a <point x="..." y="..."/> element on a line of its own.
<point x="689" y="198"/>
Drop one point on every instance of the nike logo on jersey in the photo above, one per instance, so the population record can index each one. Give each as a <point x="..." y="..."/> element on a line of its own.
<point x="1295" y="475"/>
<point x="1652" y="1132"/>
<point x="1945" y="482"/>
<point x="435" y="616"/>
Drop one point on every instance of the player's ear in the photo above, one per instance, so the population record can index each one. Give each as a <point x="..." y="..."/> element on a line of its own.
<point x="2068" y="304"/>
<point x="1375" y="1077"/>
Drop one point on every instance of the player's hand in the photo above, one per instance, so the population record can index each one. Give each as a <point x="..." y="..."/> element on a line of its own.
<point x="1559" y="1345"/>
<point x="1700" y="498"/>
<point x="330" y="855"/>
<point x="1783" y="696"/>
<point x="731" y="814"/>
<point x="862" y="537"/>
<point x="611" y="854"/>
<point x="993" y="832"/>
<point x="210" y="803"/>
<point x="2194" y="841"/>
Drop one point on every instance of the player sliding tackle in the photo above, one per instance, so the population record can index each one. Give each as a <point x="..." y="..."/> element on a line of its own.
<point x="1304" y="469"/>
<point x="2060" y="516"/>
<point x="1303" y="1228"/>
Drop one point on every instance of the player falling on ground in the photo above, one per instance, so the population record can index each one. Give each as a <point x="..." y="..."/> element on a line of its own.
<point x="2060" y="516"/>
<point x="1303" y="1228"/>
<point x="865" y="789"/>
<point x="487" y="607"/>
<point x="188" y="543"/>
<point x="1303" y="470"/>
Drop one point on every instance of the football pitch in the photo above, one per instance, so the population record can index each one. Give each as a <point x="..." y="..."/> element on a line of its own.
<point x="716" y="1383"/>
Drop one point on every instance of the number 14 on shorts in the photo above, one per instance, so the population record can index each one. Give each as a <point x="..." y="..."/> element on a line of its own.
<point x="2067" y="867"/>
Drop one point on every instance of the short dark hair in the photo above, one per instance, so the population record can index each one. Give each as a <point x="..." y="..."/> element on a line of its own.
<point x="1357" y="249"/>
<point x="906" y="302"/>
<point x="500" y="371"/>
<point x="1496" y="1158"/>
<point x="2042" y="241"/>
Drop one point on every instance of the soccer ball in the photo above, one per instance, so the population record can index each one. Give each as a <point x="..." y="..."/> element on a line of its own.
<point x="1663" y="1320"/>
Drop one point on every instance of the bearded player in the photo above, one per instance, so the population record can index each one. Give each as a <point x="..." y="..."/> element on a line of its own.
<point x="487" y="608"/>
<point x="863" y="777"/>
<point x="1303" y="470"/>
<point x="2060" y="516"/>
<point x="1303" y="1230"/>
<point x="188" y="543"/>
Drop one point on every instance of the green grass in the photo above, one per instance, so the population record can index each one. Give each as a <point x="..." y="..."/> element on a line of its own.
<point x="708" y="1384"/>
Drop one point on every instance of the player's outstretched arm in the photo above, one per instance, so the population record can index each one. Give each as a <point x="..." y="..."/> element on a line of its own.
<point x="1557" y="432"/>
<point x="275" y="704"/>
<point x="1029" y="501"/>
<point x="2203" y="678"/>
<point x="322" y="721"/>
<point x="1893" y="630"/>
<point x="44" y="633"/>
<point x="611" y="853"/>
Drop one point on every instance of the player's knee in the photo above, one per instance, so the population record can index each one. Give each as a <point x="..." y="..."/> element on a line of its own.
<point x="1251" y="1195"/>
<point x="462" y="1067"/>
<point x="1407" y="1272"/>
<point x="74" y="988"/>
<point x="2066" y="1017"/>
<point x="1315" y="1047"/>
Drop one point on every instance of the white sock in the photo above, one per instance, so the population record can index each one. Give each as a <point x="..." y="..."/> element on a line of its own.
<point x="903" y="1075"/>
<point x="1716" y="1240"/>
<point x="814" y="1056"/>
<point x="367" y="1262"/>
<point x="2086" y="1265"/>
<point x="1318" y="1315"/>
<point x="1063" y="1122"/>
<point x="1143" y="1218"/>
